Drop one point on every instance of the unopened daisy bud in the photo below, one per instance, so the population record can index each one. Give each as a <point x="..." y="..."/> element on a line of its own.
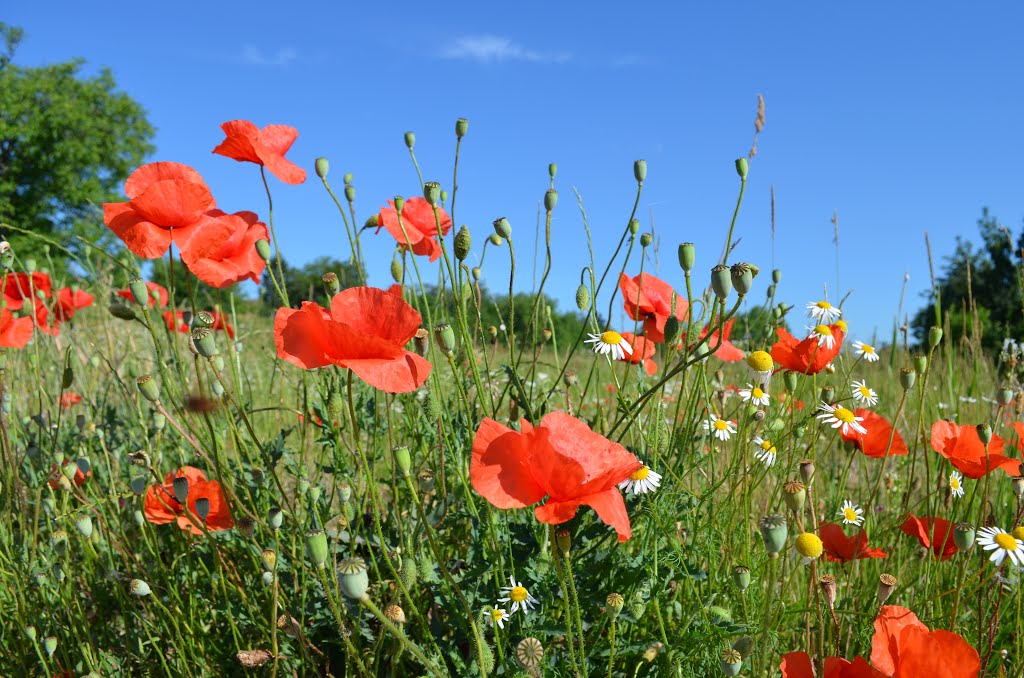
<point x="139" y="588"/>
<point x="721" y="281"/>
<point x="316" y="547"/>
<point x="121" y="311"/>
<point x="773" y="534"/>
<point x="331" y="284"/>
<point x="742" y="278"/>
<point x="205" y="344"/>
<point x="410" y="140"/>
<point x="425" y="480"/>
<point x="1004" y="397"/>
<point x="529" y="653"/>
<point x="984" y="433"/>
<point x="444" y="335"/>
<point x="203" y="508"/>
<point x="83" y="524"/>
<point x="776" y="276"/>
<point x="352" y="578"/>
<point x="550" y="199"/>
<point x="827" y="584"/>
<point x="583" y="297"/>
<point x="809" y="545"/>
<point x="795" y="494"/>
<point x="921" y="363"/>
<point x="180" y="487"/>
<point x="432" y="193"/>
<point x="245" y="526"/>
<point x="350" y="193"/>
<point x="807" y="470"/>
<point x="963" y="537"/>
<point x="640" y="170"/>
<point x="263" y="249"/>
<point x="827" y="394"/>
<point x="502" y="228"/>
<point x="731" y="662"/>
<point x="402" y="460"/>
<point x="742" y="167"/>
<point x="463" y="241"/>
<point x="687" y="256"/>
<point x="563" y="538"/>
<point x="646" y="239"/>
<point x="50" y="645"/>
<point x="634" y="226"/>
<point x="908" y="377"/>
<point x="741" y="577"/>
<point x="934" y="336"/>
<point x="275" y="518"/>
<point x="321" y="166"/>
<point x="399" y="202"/>
<point x="672" y="330"/>
<point x="886" y="585"/>
<point x="1017" y="486"/>
<point x="613" y="604"/>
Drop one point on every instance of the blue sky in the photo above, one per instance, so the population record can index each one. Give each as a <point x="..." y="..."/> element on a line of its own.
<point x="903" y="117"/>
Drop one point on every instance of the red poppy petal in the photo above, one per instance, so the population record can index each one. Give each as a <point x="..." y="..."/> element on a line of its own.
<point x="376" y="313"/>
<point x="279" y="138"/>
<point x="284" y="169"/>
<point x="499" y="468"/>
<point x="242" y="135"/>
<point x="796" y="665"/>
<point x="301" y="336"/>
<point x="173" y="203"/>
<point x="611" y="509"/>
<point x="143" y="238"/>
<point x="936" y="653"/>
<point x="161" y="509"/>
<point x="889" y="624"/>
<point x="148" y="174"/>
<point x="556" y="512"/>
<point x="14" y="332"/>
<point x="403" y="374"/>
<point x="204" y="237"/>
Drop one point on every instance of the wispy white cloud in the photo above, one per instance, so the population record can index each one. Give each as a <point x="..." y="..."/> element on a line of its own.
<point x="254" y="56"/>
<point x="488" y="49"/>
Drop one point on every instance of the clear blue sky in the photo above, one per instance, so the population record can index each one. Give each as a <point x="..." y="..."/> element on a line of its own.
<point x="901" y="116"/>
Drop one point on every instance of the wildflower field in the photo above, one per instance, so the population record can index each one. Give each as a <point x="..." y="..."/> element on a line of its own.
<point x="386" y="484"/>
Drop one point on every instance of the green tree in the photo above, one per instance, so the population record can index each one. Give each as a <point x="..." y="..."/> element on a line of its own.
<point x="67" y="143"/>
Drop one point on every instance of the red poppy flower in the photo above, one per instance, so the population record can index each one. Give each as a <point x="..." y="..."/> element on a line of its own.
<point x="420" y="227"/>
<point x="246" y="142"/>
<point x="842" y="549"/>
<point x="219" y="323"/>
<point x="874" y="443"/>
<point x="933" y="533"/>
<point x="395" y="290"/>
<point x="964" y="449"/>
<point x="805" y="356"/>
<point x="561" y="459"/>
<point x="14" y="332"/>
<point x="726" y="351"/>
<point x="167" y="202"/>
<point x="649" y="299"/>
<point x="17" y="287"/>
<point x="798" y="665"/>
<point x="161" y="507"/>
<point x="54" y="480"/>
<point x="69" y="301"/>
<point x="158" y="301"/>
<point x="642" y="350"/>
<point x="69" y="398"/>
<point x="237" y="259"/>
<point x="903" y="646"/>
<point x="366" y="330"/>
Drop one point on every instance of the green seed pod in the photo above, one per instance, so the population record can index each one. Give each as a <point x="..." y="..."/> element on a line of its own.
<point x="316" y="547"/>
<point x="828" y="394"/>
<point x="180" y="487"/>
<point x="583" y="297"/>
<point x="1004" y="396"/>
<point x="205" y="344"/>
<point x="908" y="377"/>
<point x="563" y="539"/>
<point x="139" y="588"/>
<point x="50" y="645"/>
<point x="83" y="524"/>
<point x="613" y="604"/>
<point x="321" y="166"/>
<point x="245" y="526"/>
<point x="353" y="578"/>
<point x="769" y="291"/>
<point x="444" y="336"/>
<point x="350" y="193"/>
<point x="476" y="273"/>
<point x="776" y="276"/>
<point x="346" y="178"/>
<point x="634" y="226"/>
<point x="410" y="140"/>
<point x="640" y="170"/>
<point x="275" y="518"/>
<point x="148" y="388"/>
<point x="331" y="284"/>
<point x="963" y="536"/>
<point x="121" y="311"/>
<point x="795" y="495"/>
<point x="396" y="269"/>
<point x="269" y="559"/>
<point x="789" y="377"/>
<point x="934" y="337"/>
<point x="741" y="577"/>
<point x="30" y="632"/>
<point x="432" y="193"/>
<point x="463" y="241"/>
<point x="984" y="433"/>
<point x="687" y="257"/>
<point x="742" y="167"/>
<point x="774" y="533"/>
<point x="529" y="653"/>
<point x="731" y="661"/>
<point x="721" y="281"/>
<point x="742" y="278"/>
<point x="502" y="228"/>
<point x="30" y="265"/>
<point x="263" y="249"/>
<point x="494" y="239"/>
<point x="203" y="319"/>
<point x="461" y="126"/>
<point x="203" y="508"/>
<point x="399" y="202"/>
<point x="921" y="363"/>
<point x="646" y="239"/>
<point x="1017" y="486"/>
<point x="402" y="459"/>
<point x="550" y="199"/>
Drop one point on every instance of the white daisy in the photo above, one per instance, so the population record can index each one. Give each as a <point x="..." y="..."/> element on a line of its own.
<point x="956" y="485"/>
<point x="823" y="334"/>
<point x="641" y="481"/>
<point x="723" y="428"/>
<point x="518" y="596"/>
<point x="610" y="342"/>
<point x="755" y="395"/>
<point x="497" y="615"/>
<point x="766" y="451"/>
<point x="851" y="513"/>
<point x="839" y="417"/>
<point x="823" y="311"/>
<point x="1002" y="544"/>
<point x="866" y="351"/>
<point x="863" y="394"/>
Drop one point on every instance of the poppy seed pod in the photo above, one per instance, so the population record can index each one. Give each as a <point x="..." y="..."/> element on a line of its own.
<point x="50" y="645"/>
<point x="827" y="394"/>
<point x="807" y="470"/>
<point x="139" y="588"/>
<point x="321" y="166"/>
<point x="395" y="614"/>
<point x="773" y="534"/>
<point x="30" y="265"/>
<point x="921" y="363"/>
<point x="180" y="487"/>
<point x="410" y="140"/>
<point x="30" y="632"/>
<point x="1017" y="486"/>
<point x="640" y="170"/>
<point x="475" y="271"/>
<point x="432" y="193"/>
<point x="795" y="495"/>
<point x="444" y="336"/>
<point x="350" y="193"/>
<point x="741" y="577"/>
<point x="245" y="526"/>
<point x="203" y="319"/>
<point x="776" y="276"/>
<point x="886" y="585"/>
<point x="963" y="537"/>
<point x="529" y="653"/>
<point x="203" y="508"/>
<point x="83" y="524"/>
<point x="353" y="578"/>
<point x="399" y="203"/>
<point x="316" y="547"/>
<point x="721" y="281"/>
<point x="425" y="480"/>
<point x="634" y="226"/>
<point x="269" y="559"/>
<point x="731" y="662"/>
<point x="934" y="336"/>
<point x="613" y="604"/>
<point x="583" y="297"/>
<point x="769" y="291"/>
<point x="552" y="170"/>
<point x="827" y="583"/>
<point x="463" y="241"/>
<point x="550" y="199"/>
<point x="461" y="127"/>
<point x="148" y="388"/>
<point x="564" y="540"/>
<point x="275" y="517"/>
<point x="1004" y="396"/>
<point x="331" y="284"/>
<point x="742" y="276"/>
<point x="139" y="291"/>
<point x="687" y="257"/>
<point x="346" y="178"/>
<point x="908" y="377"/>
<point x="205" y="344"/>
<point x="646" y="239"/>
<point x="502" y="228"/>
<point x="984" y="433"/>
<point x="402" y="459"/>
<point x="742" y="167"/>
<point x="263" y="249"/>
<point x="421" y="341"/>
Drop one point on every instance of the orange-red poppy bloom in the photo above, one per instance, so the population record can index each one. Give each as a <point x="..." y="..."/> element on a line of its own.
<point x="176" y="323"/>
<point x="726" y="351"/>
<point x="840" y="548"/>
<point x="70" y="301"/>
<point x="69" y="398"/>
<point x="904" y="646"/>
<point x="246" y="142"/>
<point x="933" y="533"/>
<point x="158" y="301"/>
<point x="19" y="287"/>
<point x="561" y="459"/>
<point x="420" y="227"/>
<point x="365" y="330"/>
<point x="798" y="665"/>
<point x="14" y="332"/>
<point x="876" y="440"/>
<point x="237" y="259"/>
<point x="806" y="355"/>
<point x="161" y="507"/>
<point x="642" y="350"/>
<point x="167" y="202"/>
<point x="964" y="449"/>
<point x="649" y="299"/>
<point x="55" y="473"/>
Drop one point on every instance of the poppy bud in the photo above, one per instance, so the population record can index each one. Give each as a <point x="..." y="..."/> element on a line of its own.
<point x="770" y="291"/>
<point x="741" y="577"/>
<point x="316" y="547"/>
<point x="432" y="193"/>
<point x="399" y="204"/>
<point x="444" y="196"/>
<point x="202" y="339"/>
<point x="202" y="508"/>
<point x="502" y="228"/>
<point x="148" y="388"/>
<point x="963" y="537"/>
<point x="886" y="584"/>
<point x="827" y="394"/>
<point x="742" y="167"/>
<point x="263" y="249"/>
<point x="934" y="336"/>
<point x="425" y="480"/>
<point x="350" y="193"/>
<point x="321" y="166"/>
<point x="331" y="284"/>
<point x="410" y="140"/>
<point x="908" y="377"/>
<point x="83" y="524"/>
<point x="461" y="125"/>
<point x="1004" y="397"/>
<point x="396" y="269"/>
<point x="30" y="265"/>
<point x="773" y="534"/>
<point x="552" y="170"/>
<point x="180" y="487"/>
<point x="140" y="293"/>
<point x="444" y="335"/>
<point x="672" y="330"/>
<point x="346" y="178"/>
<point x="372" y="222"/>
<point x="827" y="583"/>
<point x="119" y="310"/>
<point x="646" y="239"/>
<point x="921" y="363"/>
<point x="402" y="459"/>
<point x="275" y="517"/>
<point x="564" y="540"/>
<point x="721" y="281"/>
<point x="687" y="256"/>
<point x="984" y="433"/>
<point x="795" y="494"/>
<point x="1017" y="485"/>
<point x="463" y="241"/>
<point x="777" y="276"/>
<point x="476" y="273"/>
<point x="494" y="239"/>
<point x="742" y="278"/>
<point x="352" y="578"/>
<point x="583" y="297"/>
<point x="50" y="645"/>
<point x="269" y="559"/>
<point x="640" y="170"/>
<point x="634" y="226"/>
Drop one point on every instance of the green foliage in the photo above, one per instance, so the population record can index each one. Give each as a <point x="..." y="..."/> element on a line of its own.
<point x="306" y="283"/>
<point x="67" y="142"/>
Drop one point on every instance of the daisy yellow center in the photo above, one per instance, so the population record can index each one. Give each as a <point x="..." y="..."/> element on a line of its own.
<point x="640" y="474"/>
<point x="721" y="424"/>
<point x="1007" y="542"/>
<point x="867" y="348"/>
<point x="849" y="514"/>
<point x="757" y="393"/>
<point x="865" y="392"/>
<point x="809" y="545"/>
<point x="760" y="361"/>
<point x="824" y="305"/>
<point x="954" y="483"/>
<point x="518" y="593"/>
<point x="1018" y="532"/>
<point x="844" y="415"/>
<point x="823" y="330"/>
<point x="497" y="614"/>
<point x="767" y="445"/>
<point x="841" y="324"/>
<point x="611" y="337"/>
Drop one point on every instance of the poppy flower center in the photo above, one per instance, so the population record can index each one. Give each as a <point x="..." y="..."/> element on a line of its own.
<point x="824" y="305"/>
<point x="865" y="392"/>
<point x="867" y="349"/>
<point x="849" y="514"/>
<point x="1007" y="542"/>
<point x="640" y="474"/>
<point x="760" y="361"/>
<point x="844" y="415"/>
<point x="518" y="594"/>
<point x="611" y="338"/>
<point x="757" y="393"/>
<point x="823" y="330"/>
<point x="721" y="424"/>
